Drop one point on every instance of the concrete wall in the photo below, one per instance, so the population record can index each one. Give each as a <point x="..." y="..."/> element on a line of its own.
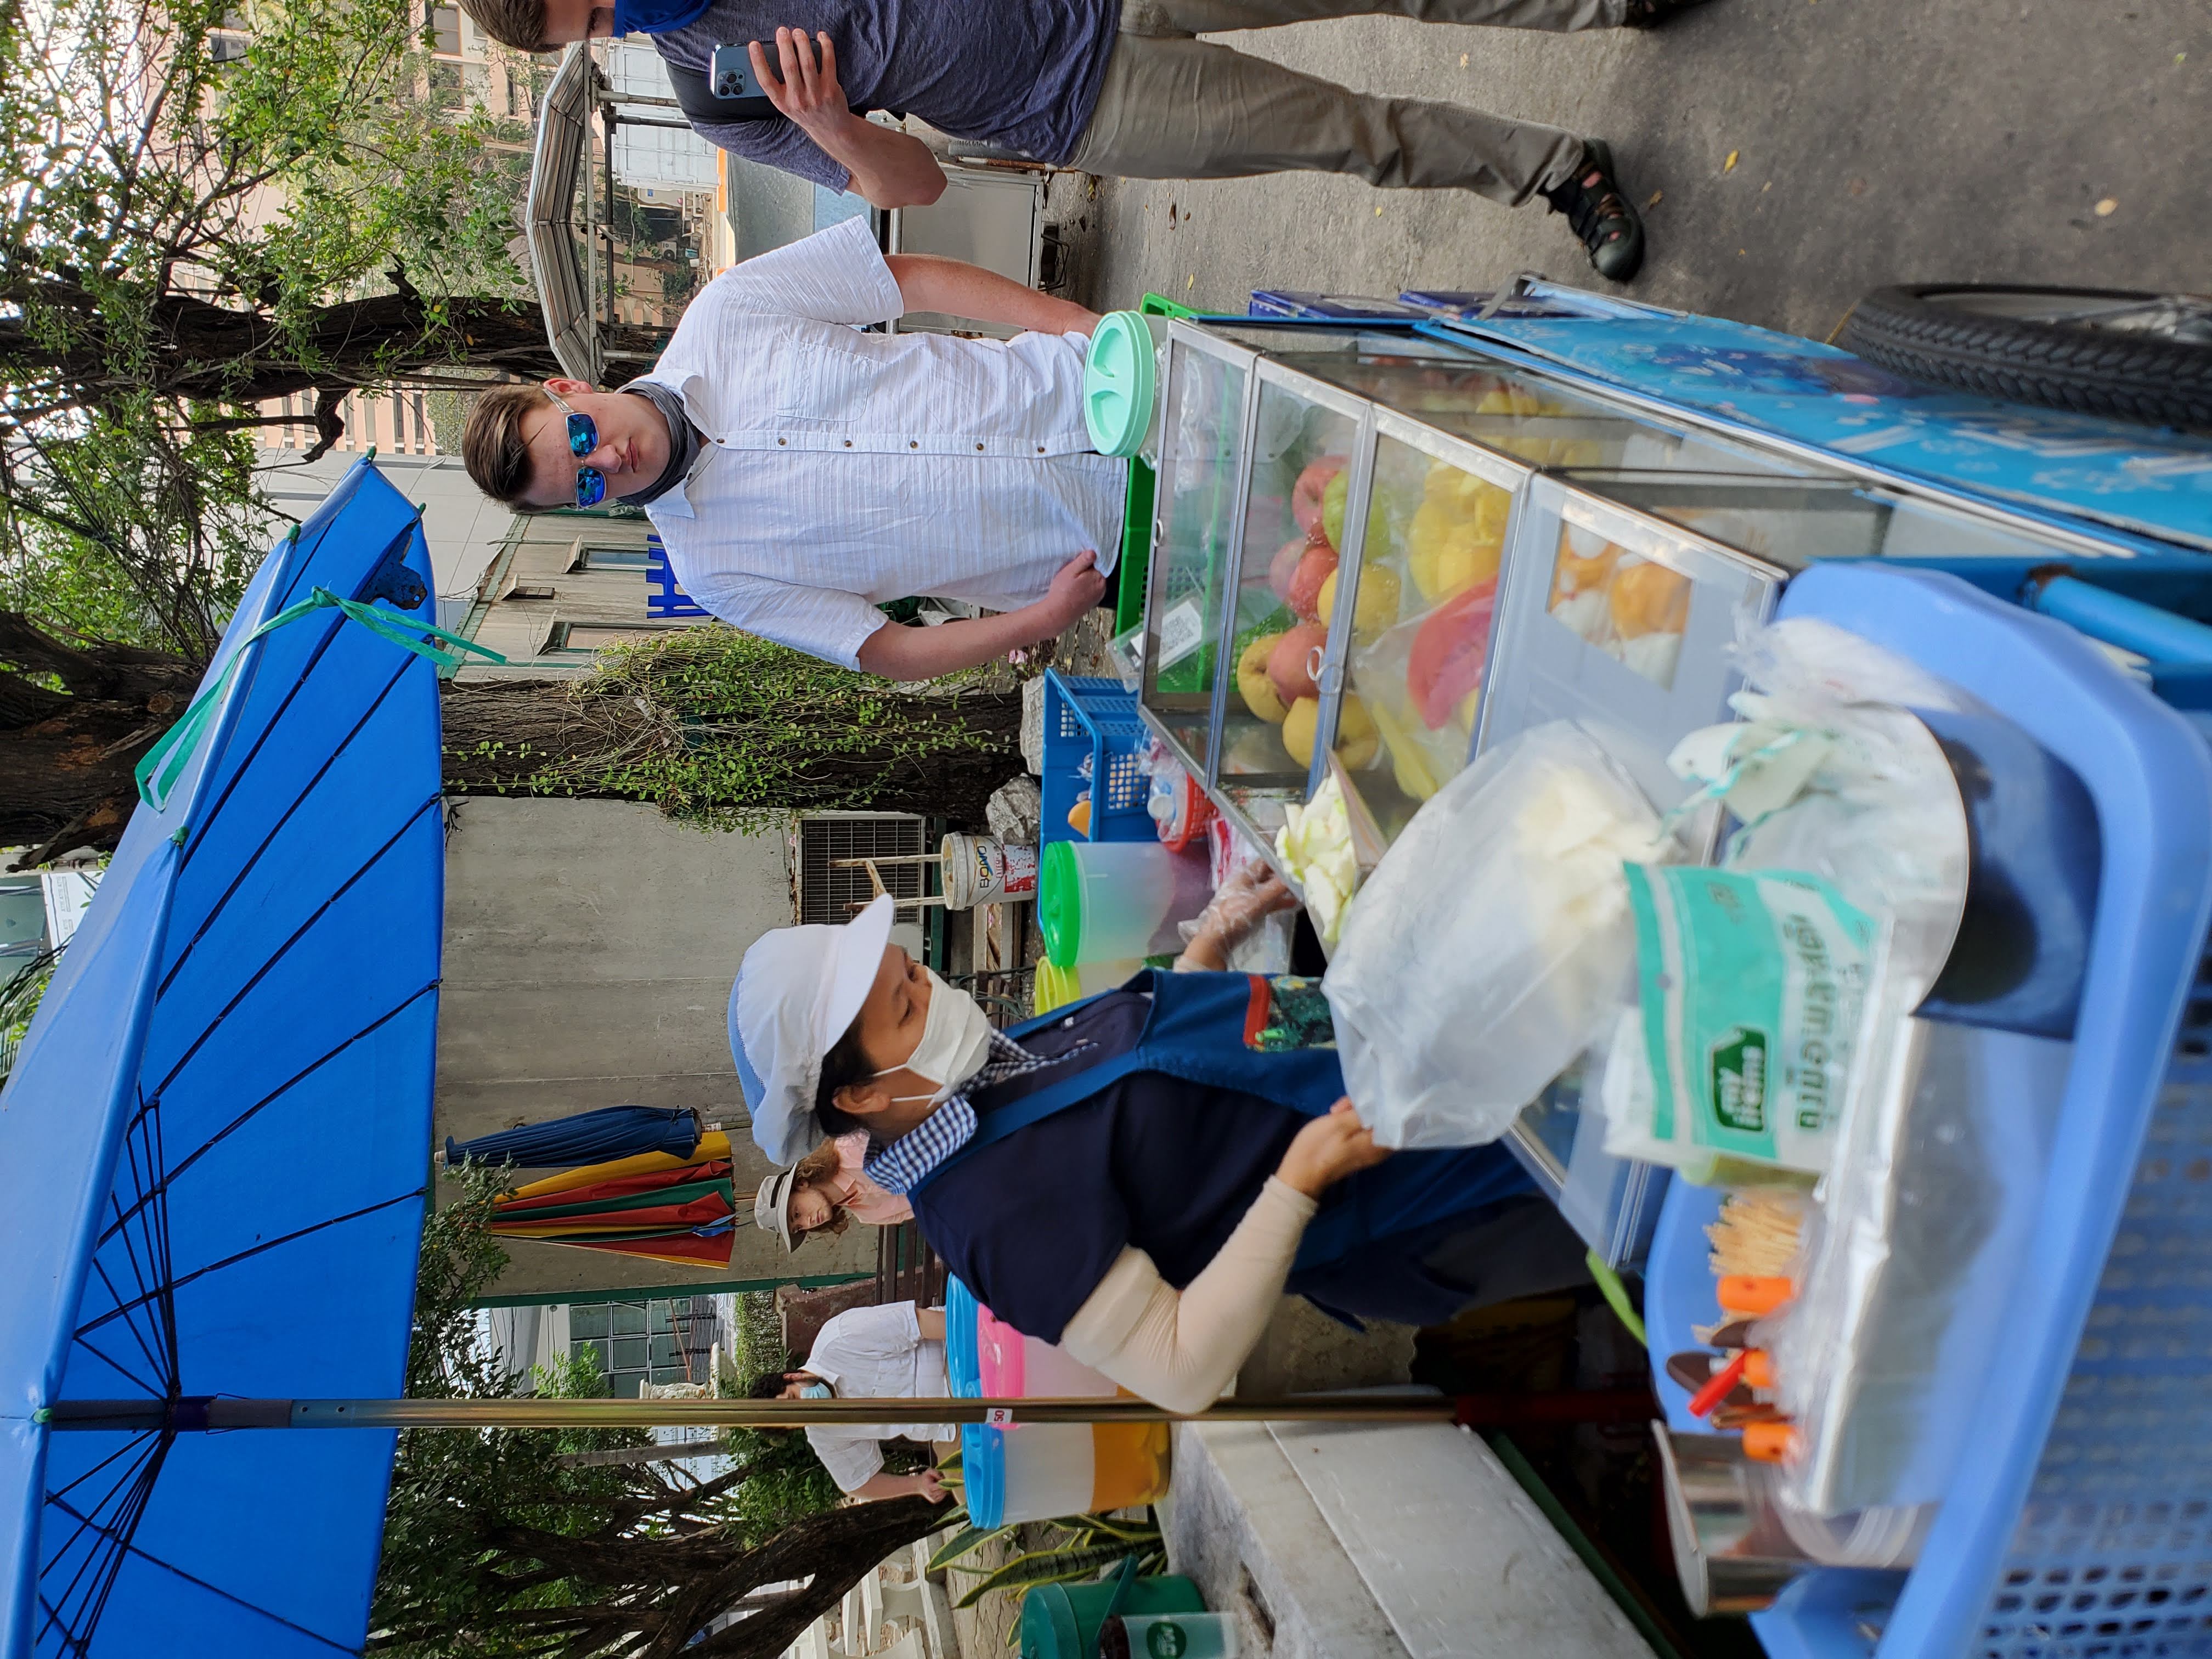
<point x="590" y="947"/>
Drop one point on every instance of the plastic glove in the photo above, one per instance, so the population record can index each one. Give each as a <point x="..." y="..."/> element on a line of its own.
<point x="1251" y="894"/>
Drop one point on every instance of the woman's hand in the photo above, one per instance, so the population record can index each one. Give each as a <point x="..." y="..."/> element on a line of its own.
<point x="1328" y="1149"/>
<point x="1251" y="892"/>
<point x="930" y="1483"/>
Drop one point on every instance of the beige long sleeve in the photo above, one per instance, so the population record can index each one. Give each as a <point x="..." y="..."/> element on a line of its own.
<point x="1181" y="1349"/>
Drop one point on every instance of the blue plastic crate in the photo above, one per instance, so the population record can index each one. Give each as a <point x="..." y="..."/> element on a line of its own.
<point x="1094" y="719"/>
<point x="2079" y="1523"/>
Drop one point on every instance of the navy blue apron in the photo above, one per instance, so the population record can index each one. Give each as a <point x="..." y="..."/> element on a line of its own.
<point x="1206" y="1028"/>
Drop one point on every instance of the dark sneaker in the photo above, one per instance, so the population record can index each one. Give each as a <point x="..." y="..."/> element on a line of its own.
<point x="1610" y="230"/>
<point x="1650" y="14"/>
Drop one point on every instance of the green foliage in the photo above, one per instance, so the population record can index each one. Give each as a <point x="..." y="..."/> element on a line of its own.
<point x="187" y="189"/>
<point x="750" y="730"/>
<point x="1081" y="1546"/>
<point x="20" y="996"/>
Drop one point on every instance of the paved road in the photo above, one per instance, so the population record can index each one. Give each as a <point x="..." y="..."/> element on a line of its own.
<point x="1875" y="141"/>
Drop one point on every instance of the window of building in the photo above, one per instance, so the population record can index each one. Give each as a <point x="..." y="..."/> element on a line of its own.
<point x="669" y="1339"/>
<point x="614" y="558"/>
<point x="446" y="30"/>
<point x="581" y="639"/>
<point x="828" y="893"/>
<point x="527" y="594"/>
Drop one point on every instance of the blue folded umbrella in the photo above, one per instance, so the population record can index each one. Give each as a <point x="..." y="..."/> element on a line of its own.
<point x="611" y="1132"/>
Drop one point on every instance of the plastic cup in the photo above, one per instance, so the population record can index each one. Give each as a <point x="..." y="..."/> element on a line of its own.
<point x="1057" y="987"/>
<point x="1106" y="901"/>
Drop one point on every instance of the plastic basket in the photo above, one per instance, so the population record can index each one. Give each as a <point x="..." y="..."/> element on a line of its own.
<point x="1093" y="720"/>
<point x="2076" y="1524"/>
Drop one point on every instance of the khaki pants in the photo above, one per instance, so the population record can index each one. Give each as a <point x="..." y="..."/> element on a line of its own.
<point x="1173" y="106"/>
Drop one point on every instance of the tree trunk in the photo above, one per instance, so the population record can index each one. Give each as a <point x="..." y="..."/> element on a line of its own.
<point x="505" y="736"/>
<point x="66" y="756"/>
<point x="229" y="354"/>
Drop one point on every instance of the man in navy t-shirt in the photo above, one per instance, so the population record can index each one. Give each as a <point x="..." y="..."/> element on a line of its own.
<point x="1113" y="87"/>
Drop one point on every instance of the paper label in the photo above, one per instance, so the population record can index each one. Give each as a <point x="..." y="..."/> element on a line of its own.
<point x="1182" y="630"/>
<point x="998" y="1417"/>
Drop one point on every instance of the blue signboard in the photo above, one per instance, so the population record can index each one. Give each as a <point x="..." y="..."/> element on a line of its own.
<point x="2150" y="480"/>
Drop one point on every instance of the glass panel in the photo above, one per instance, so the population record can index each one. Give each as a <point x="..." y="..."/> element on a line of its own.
<point x="631" y="1353"/>
<point x="1301" y="482"/>
<point x="618" y="558"/>
<point x="661" y="1319"/>
<point x="1538" y="420"/>
<point x="1193" y="541"/>
<point x="669" y="1374"/>
<point x="587" y="1319"/>
<point x="591" y="1350"/>
<point x="625" y="1387"/>
<point x="628" y="1317"/>
<point x="1422" y="613"/>
<point x="665" y="1351"/>
<point x="1629" y="608"/>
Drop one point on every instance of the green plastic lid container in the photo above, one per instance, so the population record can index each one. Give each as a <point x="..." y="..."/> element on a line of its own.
<point x="1060" y="904"/>
<point x="1118" y="383"/>
<point x="1061" y="1622"/>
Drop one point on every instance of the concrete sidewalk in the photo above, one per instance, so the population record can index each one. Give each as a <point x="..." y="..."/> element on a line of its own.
<point x="1875" y="141"/>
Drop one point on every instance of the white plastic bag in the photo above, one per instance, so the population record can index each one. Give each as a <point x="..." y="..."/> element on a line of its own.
<point x="1492" y="942"/>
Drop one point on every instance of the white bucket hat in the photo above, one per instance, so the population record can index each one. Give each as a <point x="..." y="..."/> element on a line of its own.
<point x="772" y="1207"/>
<point x="796" y="992"/>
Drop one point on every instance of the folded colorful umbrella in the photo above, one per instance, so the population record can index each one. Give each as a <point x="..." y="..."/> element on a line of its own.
<point x="586" y="1138"/>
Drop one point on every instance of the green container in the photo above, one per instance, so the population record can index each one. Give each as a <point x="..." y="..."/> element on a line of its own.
<point x="1121" y="382"/>
<point x="1061" y="1622"/>
<point x="1060" y="902"/>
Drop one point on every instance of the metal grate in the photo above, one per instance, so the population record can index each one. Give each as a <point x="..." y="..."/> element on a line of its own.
<point x="2113" y="1554"/>
<point x="827" y="894"/>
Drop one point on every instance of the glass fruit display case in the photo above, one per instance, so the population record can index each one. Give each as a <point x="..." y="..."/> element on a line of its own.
<point x="1385" y="553"/>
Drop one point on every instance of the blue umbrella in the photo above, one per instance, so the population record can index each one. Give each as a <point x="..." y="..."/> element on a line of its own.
<point x="611" y="1132"/>
<point x="213" y="1148"/>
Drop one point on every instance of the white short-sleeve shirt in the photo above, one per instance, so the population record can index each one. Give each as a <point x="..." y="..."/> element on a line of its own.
<point x="842" y="469"/>
<point x="874" y="1353"/>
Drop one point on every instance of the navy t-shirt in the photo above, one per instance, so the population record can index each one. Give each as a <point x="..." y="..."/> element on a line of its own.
<point x="1021" y="74"/>
<point x="1031" y="1223"/>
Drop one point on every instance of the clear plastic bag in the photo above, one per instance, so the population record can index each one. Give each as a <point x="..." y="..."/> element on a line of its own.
<point x="1493" y="941"/>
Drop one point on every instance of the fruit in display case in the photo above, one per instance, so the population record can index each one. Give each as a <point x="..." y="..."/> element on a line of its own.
<point x="1580" y="574"/>
<point x="1306" y="492"/>
<point x="1335" y="502"/>
<point x="1457" y="535"/>
<point x="1355" y="731"/>
<point x="1282" y="568"/>
<point x="1290" y="660"/>
<point x="1410" y="766"/>
<point x="1377" y="608"/>
<point x="1449" y="651"/>
<point x="1316" y="567"/>
<point x="1253" y="684"/>
<point x="1649" y="599"/>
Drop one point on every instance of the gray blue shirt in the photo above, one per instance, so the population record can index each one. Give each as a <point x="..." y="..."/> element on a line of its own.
<point x="1021" y="74"/>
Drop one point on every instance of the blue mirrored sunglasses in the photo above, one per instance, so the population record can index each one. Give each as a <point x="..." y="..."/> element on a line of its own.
<point x="583" y="439"/>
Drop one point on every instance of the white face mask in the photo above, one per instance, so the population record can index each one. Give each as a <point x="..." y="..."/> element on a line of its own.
<point x="956" y="1041"/>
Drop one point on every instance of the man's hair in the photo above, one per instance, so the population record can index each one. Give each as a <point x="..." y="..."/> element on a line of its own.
<point x="517" y="23"/>
<point x="769" y="1385"/>
<point x="492" y="448"/>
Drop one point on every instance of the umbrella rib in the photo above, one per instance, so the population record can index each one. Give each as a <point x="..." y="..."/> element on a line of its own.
<point x="413" y="1195"/>
<point x="283" y="707"/>
<point x="298" y="933"/>
<point x="246" y="868"/>
<point x="129" y="1547"/>
<point x="107" y="1567"/>
<point x="299" y="683"/>
<point x="146" y="1285"/>
<point x="160" y="1189"/>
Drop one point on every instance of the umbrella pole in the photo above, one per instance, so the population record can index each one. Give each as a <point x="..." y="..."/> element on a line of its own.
<point x="209" y="1413"/>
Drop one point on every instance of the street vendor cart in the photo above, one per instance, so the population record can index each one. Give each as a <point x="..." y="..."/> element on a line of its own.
<point x="1379" y="540"/>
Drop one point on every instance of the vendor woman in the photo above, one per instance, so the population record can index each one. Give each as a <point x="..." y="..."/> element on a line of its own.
<point x="1140" y="1177"/>
<point x="825" y="1192"/>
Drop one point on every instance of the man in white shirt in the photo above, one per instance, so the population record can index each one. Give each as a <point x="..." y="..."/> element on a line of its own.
<point x="800" y="472"/>
<point x="893" y="1351"/>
